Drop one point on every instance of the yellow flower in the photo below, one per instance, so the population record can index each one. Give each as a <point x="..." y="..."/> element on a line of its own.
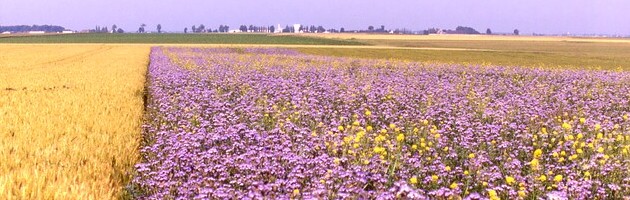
<point x="337" y="161"/>
<point x="493" y="195"/>
<point x="600" y="135"/>
<point x="557" y="178"/>
<point x="415" y="130"/>
<point x="600" y="149"/>
<point x="368" y="112"/>
<point x="555" y="154"/>
<point x="445" y="149"/>
<point x="447" y="168"/>
<point x="392" y="126"/>
<point x="566" y="126"/>
<point x="369" y="128"/>
<point x="414" y="147"/>
<point x="355" y="123"/>
<point x="538" y="153"/>
<point x="543" y="130"/>
<point x="587" y="174"/>
<point x="413" y="180"/>
<point x="580" y="136"/>
<point x="426" y="122"/>
<point x="366" y="162"/>
<point x="383" y="131"/>
<point x="434" y="178"/>
<point x="582" y="120"/>
<point x="563" y="153"/>
<point x="625" y="117"/>
<point x="400" y="137"/>
<point x="535" y="163"/>
<point x="340" y="128"/>
<point x="379" y="150"/>
<point x="597" y="127"/>
<point x="542" y="178"/>
<point x="509" y="180"/>
<point x="485" y="184"/>
<point x="453" y="186"/>
<point x="296" y="192"/>
<point x="579" y="151"/>
<point x="521" y="193"/>
<point x="466" y="172"/>
<point x="471" y="155"/>
<point x="437" y="135"/>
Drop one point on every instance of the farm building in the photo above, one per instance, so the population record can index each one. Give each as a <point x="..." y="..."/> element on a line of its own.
<point x="36" y="32"/>
<point x="6" y="32"/>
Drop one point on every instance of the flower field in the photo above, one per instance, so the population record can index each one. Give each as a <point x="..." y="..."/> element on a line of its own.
<point x="273" y="123"/>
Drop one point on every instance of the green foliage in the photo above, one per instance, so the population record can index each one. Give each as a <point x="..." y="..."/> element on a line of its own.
<point x="177" y="39"/>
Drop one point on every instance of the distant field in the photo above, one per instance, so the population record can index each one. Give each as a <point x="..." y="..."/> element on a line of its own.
<point x="177" y="39"/>
<point x="511" y="58"/>
<point x="583" y="53"/>
<point x="363" y="36"/>
<point x="566" y="52"/>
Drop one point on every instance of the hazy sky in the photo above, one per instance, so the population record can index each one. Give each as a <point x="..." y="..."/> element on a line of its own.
<point x="539" y="16"/>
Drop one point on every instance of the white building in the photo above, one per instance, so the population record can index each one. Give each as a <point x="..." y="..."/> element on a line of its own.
<point x="36" y="32"/>
<point x="6" y="32"/>
<point x="279" y="29"/>
<point x="296" y="28"/>
<point x="66" y="32"/>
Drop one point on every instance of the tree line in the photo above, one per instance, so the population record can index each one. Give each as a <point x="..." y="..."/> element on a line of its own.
<point x="27" y="28"/>
<point x="251" y="28"/>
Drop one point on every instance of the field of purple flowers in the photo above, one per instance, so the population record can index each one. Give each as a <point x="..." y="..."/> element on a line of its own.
<point x="273" y="123"/>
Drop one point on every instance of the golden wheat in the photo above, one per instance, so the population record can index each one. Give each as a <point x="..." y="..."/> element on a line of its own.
<point x="70" y="119"/>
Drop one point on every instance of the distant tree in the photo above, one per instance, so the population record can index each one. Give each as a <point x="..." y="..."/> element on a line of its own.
<point x="488" y="31"/>
<point x="26" y="28"/>
<point x="370" y="28"/>
<point x="465" y="30"/>
<point x="287" y="29"/>
<point x="272" y="29"/>
<point x="104" y="30"/>
<point x="382" y="28"/>
<point x="243" y="28"/>
<point x="194" y="29"/>
<point x="141" y="29"/>
<point x="321" y="29"/>
<point x="342" y="30"/>
<point x="159" y="28"/>
<point x="226" y="28"/>
<point x="114" y="28"/>
<point x="516" y="32"/>
<point x="186" y="30"/>
<point x="201" y="28"/>
<point x="120" y="30"/>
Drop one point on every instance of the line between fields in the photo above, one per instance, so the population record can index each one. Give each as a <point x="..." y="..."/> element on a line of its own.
<point x="258" y="45"/>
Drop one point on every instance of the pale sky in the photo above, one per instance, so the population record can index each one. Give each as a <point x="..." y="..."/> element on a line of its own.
<point x="539" y="16"/>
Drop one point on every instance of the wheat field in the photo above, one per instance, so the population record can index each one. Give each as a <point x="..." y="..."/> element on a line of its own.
<point x="70" y="119"/>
